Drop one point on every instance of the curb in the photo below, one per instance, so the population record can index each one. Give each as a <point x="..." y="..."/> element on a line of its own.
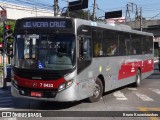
<point x="156" y="73"/>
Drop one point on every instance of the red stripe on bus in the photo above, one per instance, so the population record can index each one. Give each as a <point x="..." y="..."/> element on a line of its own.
<point x="129" y="69"/>
<point x="39" y="84"/>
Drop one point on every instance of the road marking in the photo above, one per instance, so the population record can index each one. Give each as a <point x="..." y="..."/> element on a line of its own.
<point x="4" y="92"/>
<point x="13" y="118"/>
<point x="155" y="90"/>
<point x="119" y="95"/>
<point x="5" y="108"/>
<point x="6" y="104"/>
<point x="6" y="98"/>
<point x="143" y="97"/>
<point x="134" y="89"/>
<point x="149" y="109"/>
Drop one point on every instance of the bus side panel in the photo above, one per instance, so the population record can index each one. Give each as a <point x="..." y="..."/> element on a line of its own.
<point x="110" y="67"/>
<point x="113" y="65"/>
<point x="101" y="67"/>
<point x="117" y="71"/>
<point x="86" y="82"/>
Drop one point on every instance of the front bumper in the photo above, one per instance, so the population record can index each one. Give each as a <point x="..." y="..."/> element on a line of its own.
<point x="69" y="94"/>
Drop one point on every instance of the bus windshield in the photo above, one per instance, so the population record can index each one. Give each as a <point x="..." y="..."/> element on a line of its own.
<point x="44" y="51"/>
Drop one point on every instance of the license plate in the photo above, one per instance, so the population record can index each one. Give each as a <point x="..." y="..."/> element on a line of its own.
<point x="36" y="94"/>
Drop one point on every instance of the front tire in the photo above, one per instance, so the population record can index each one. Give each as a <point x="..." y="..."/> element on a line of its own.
<point x="97" y="91"/>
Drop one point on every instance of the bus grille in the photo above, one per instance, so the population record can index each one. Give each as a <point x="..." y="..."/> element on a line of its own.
<point x="40" y="74"/>
<point x="45" y="93"/>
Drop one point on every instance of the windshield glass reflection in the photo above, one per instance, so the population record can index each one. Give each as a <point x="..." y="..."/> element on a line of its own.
<point x="53" y="52"/>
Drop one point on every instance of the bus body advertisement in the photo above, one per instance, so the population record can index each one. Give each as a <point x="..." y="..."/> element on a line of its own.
<point x="66" y="59"/>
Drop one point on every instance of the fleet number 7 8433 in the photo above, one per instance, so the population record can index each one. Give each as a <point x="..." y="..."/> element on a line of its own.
<point x="46" y="85"/>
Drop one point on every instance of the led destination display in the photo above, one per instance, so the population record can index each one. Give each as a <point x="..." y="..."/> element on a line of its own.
<point x="44" y="23"/>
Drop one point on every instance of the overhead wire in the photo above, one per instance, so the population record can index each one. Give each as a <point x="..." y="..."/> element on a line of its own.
<point x="28" y="2"/>
<point x="146" y="8"/>
<point x="26" y="8"/>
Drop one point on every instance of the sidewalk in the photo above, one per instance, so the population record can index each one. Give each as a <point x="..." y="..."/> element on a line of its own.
<point x="1" y="84"/>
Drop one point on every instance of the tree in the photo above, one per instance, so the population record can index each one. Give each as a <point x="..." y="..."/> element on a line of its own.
<point x="1" y="32"/>
<point x="8" y="22"/>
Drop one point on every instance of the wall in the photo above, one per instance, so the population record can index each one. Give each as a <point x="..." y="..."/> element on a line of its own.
<point x="16" y="11"/>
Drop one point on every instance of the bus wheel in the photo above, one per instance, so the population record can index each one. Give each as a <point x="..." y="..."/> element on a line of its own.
<point x="138" y="79"/>
<point x="97" y="91"/>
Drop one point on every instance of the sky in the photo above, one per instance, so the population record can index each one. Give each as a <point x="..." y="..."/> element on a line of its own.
<point x="150" y="8"/>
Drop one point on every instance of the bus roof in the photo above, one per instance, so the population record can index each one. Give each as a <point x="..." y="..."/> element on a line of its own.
<point x="111" y="26"/>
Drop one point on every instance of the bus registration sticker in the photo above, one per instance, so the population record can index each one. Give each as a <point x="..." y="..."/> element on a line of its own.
<point x="36" y="94"/>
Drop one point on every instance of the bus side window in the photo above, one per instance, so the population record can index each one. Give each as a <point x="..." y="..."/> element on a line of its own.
<point x="85" y="48"/>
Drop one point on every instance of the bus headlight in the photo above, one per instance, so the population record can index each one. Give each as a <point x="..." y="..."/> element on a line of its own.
<point x="65" y="85"/>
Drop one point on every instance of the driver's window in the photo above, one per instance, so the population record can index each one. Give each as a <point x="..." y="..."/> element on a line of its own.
<point x="30" y="47"/>
<point x="85" y="48"/>
<point x="27" y="48"/>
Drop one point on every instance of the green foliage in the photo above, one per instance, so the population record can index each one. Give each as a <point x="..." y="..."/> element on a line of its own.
<point x="1" y="32"/>
<point x="8" y="22"/>
<point x="80" y="14"/>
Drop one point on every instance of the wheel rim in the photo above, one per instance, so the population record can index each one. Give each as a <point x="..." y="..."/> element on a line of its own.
<point x="138" y="79"/>
<point x="96" y="91"/>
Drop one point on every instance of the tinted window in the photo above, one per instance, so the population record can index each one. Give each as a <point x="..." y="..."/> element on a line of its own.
<point x="124" y="44"/>
<point x="147" y="45"/>
<point x="116" y="43"/>
<point x="136" y="44"/>
<point x="97" y="35"/>
<point x="48" y="52"/>
<point x="110" y="43"/>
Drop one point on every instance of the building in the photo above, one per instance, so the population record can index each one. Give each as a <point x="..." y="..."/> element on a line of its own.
<point x="15" y="12"/>
<point x="152" y="26"/>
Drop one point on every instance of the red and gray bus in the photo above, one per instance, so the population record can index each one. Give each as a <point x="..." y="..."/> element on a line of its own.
<point x="70" y="59"/>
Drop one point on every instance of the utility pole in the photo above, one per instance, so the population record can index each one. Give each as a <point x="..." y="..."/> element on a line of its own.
<point x="88" y="12"/>
<point x="127" y="13"/>
<point x="67" y="12"/>
<point x="141" y="18"/>
<point x="130" y="8"/>
<point x="4" y="58"/>
<point x="136" y="16"/>
<point x="94" y="11"/>
<point x="36" y="11"/>
<point x="55" y="7"/>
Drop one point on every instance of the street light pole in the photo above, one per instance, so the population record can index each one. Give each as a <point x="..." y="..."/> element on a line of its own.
<point x="55" y="8"/>
<point x="4" y="82"/>
<point x="141" y="18"/>
<point x="4" y="60"/>
<point x="94" y="11"/>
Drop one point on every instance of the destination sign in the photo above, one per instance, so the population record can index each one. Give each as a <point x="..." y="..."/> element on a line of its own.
<point x="52" y="23"/>
<point x="55" y="24"/>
